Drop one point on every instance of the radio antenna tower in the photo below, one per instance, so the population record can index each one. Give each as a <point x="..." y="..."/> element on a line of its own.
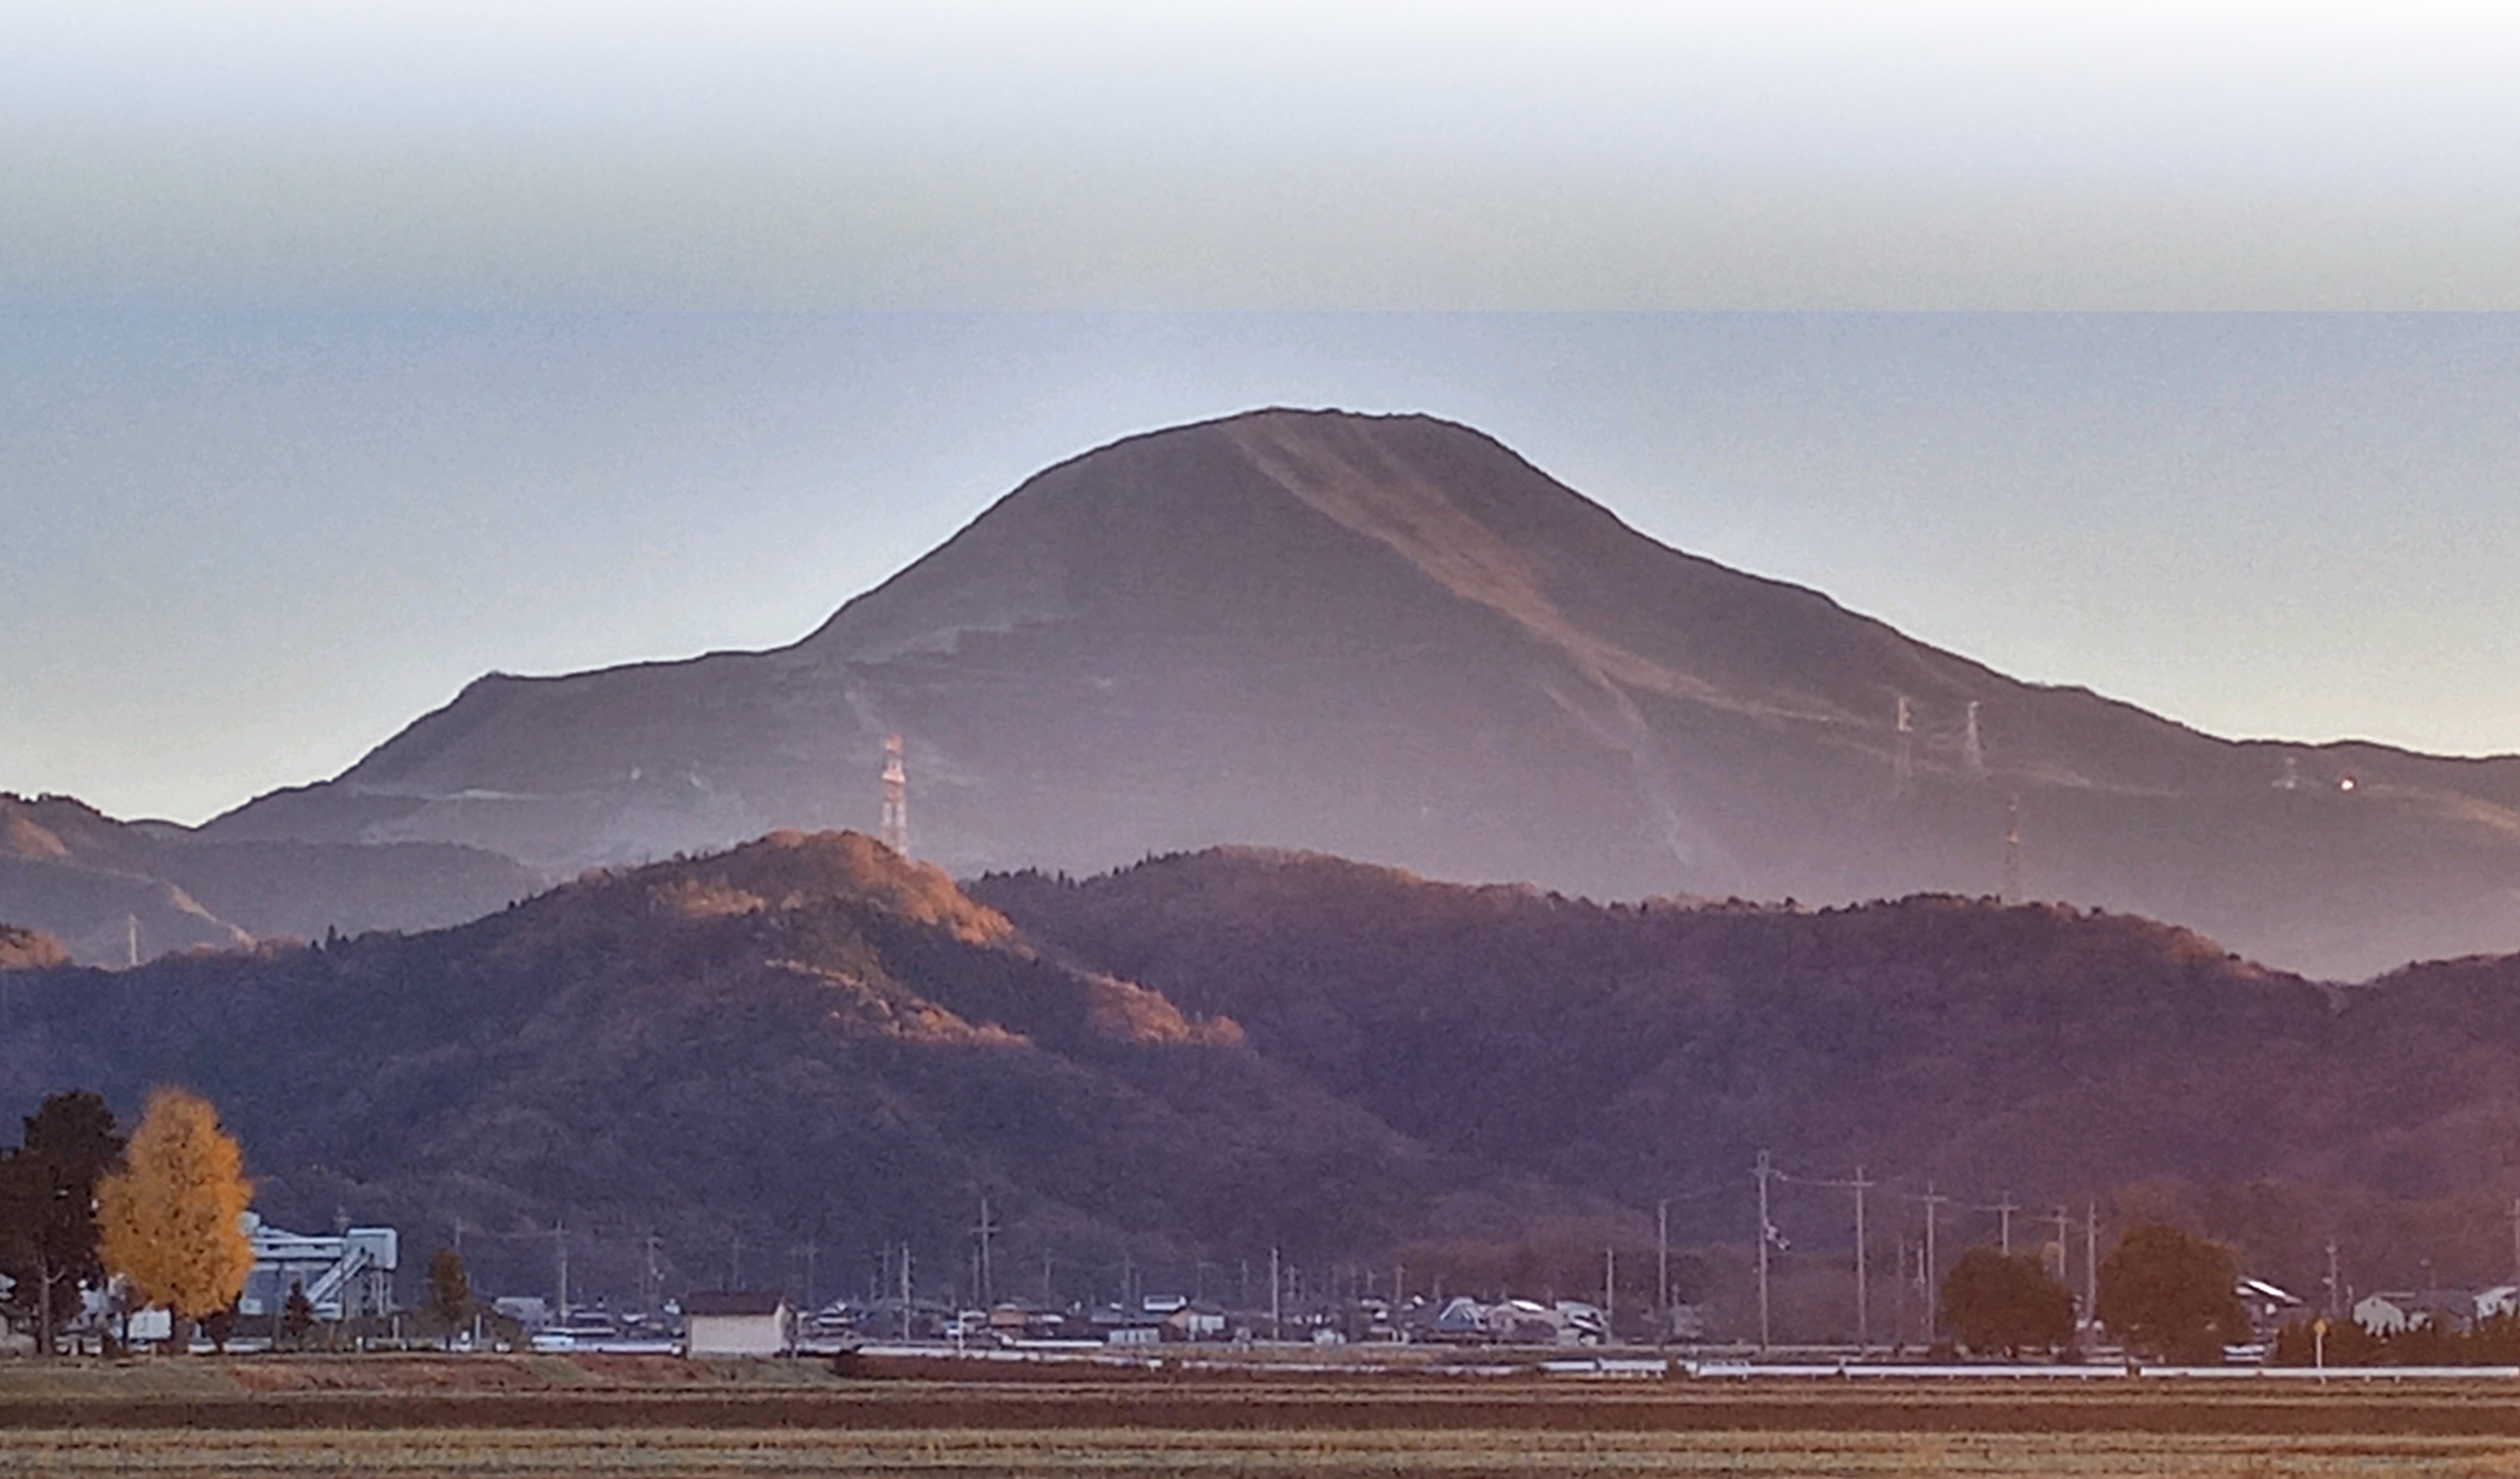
<point x="1902" y="773"/>
<point x="2012" y="849"/>
<point x="896" y="798"/>
<point x="1973" y="745"/>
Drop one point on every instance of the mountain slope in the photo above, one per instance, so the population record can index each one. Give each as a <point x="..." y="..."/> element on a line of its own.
<point x="1391" y="638"/>
<point x="806" y="1042"/>
<point x="111" y="889"/>
<point x="804" y="1038"/>
<point x="1658" y="1047"/>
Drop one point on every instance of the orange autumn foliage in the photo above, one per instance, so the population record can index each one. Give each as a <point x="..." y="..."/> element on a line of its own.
<point x="170" y="1219"/>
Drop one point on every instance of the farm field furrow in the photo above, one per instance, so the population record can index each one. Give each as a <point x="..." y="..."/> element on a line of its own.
<point x="1089" y="1454"/>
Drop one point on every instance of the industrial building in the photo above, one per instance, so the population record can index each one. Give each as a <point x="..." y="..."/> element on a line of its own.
<point x="346" y="1274"/>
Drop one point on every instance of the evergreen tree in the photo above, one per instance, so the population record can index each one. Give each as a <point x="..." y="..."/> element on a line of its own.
<point x="48" y="1207"/>
<point x="172" y="1219"/>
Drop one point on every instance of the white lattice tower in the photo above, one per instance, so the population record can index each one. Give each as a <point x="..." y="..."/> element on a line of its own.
<point x="896" y="798"/>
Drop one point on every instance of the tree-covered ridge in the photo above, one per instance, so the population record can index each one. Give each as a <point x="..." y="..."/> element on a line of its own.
<point x="1653" y="1048"/>
<point x="804" y="1038"/>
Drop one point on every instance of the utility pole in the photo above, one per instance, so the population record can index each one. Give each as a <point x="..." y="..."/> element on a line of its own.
<point x="1662" y="1265"/>
<point x="1767" y="1235"/>
<point x="905" y="1291"/>
<point x="2091" y="1262"/>
<point x="986" y="1230"/>
<point x="811" y="1253"/>
<point x="2335" y="1284"/>
<point x="2004" y="1211"/>
<point x="656" y="1282"/>
<point x="1863" y="1262"/>
<point x="735" y="1259"/>
<point x="560" y="1248"/>
<point x="1902" y="772"/>
<point x="2063" y="1220"/>
<point x="1610" y="1291"/>
<point x="1276" y="1312"/>
<point x="2011" y="850"/>
<point x="1933" y="1305"/>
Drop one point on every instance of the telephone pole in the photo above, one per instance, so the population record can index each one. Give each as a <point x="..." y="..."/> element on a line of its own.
<point x="1863" y="1264"/>
<point x="1933" y="1304"/>
<point x="1662" y="1265"/>
<point x="1277" y="1330"/>
<point x="2012" y="850"/>
<point x="560" y="1249"/>
<point x="2004" y="1211"/>
<point x="986" y="1230"/>
<point x="2335" y="1284"/>
<point x="1767" y="1235"/>
<point x="1862" y="1261"/>
<point x="2092" y="1261"/>
<point x="1610" y="1291"/>
<point x="2063" y="1220"/>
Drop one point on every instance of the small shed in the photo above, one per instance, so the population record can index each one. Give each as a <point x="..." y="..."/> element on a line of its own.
<point x="736" y="1322"/>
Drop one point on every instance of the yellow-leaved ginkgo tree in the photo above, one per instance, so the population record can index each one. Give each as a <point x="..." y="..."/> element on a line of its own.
<point x="171" y="1219"/>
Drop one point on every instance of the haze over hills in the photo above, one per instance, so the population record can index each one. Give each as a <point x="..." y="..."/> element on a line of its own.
<point x="1390" y="637"/>
<point x="110" y="889"/>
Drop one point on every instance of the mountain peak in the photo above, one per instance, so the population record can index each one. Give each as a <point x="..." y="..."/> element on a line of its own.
<point x="1391" y="638"/>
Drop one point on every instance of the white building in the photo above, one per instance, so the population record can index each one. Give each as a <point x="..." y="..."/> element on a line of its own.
<point x="736" y="1322"/>
<point x="344" y="1275"/>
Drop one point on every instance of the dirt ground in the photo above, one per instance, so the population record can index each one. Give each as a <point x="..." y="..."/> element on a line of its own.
<point x="453" y="1418"/>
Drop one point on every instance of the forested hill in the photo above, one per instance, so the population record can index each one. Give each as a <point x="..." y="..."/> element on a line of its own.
<point x="802" y="1039"/>
<point x="1653" y="1048"/>
<point x="807" y="1042"/>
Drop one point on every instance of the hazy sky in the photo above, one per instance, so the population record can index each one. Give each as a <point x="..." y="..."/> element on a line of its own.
<point x="347" y="351"/>
<point x="1293" y="154"/>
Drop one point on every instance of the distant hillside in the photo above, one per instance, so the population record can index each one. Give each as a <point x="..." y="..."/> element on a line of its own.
<point x="108" y="888"/>
<point x="1655" y="1049"/>
<point x="1391" y="638"/>
<point x="808" y="1044"/>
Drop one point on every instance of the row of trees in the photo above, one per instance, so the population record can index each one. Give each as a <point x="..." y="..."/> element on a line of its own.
<point x="163" y="1211"/>
<point x="2162" y="1293"/>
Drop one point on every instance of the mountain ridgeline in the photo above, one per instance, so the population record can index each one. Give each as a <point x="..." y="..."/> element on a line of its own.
<point x="113" y="892"/>
<point x="1391" y="638"/>
<point x="1186" y="1064"/>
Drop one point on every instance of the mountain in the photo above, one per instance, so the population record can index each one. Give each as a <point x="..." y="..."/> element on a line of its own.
<point x="2036" y="1053"/>
<point x="804" y="1038"/>
<point x="112" y="890"/>
<point x="1391" y="638"/>
<point x="1181" y="1065"/>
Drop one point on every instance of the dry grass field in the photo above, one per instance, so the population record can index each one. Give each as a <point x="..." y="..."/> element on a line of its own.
<point x="416" y="1416"/>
